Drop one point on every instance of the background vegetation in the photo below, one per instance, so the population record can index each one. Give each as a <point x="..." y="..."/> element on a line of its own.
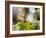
<point x="19" y="24"/>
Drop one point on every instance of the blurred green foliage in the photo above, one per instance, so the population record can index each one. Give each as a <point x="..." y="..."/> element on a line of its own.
<point x="26" y="26"/>
<point x="37" y="14"/>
